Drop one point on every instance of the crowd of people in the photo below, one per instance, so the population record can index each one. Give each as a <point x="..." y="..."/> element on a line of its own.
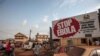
<point x="41" y="49"/>
<point x="45" y="49"/>
<point x="6" y="48"/>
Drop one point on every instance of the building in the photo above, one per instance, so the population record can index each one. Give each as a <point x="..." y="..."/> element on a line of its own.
<point x="42" y="38"/>
<point x="20" y="38"/>
<point x="3" y="41"/>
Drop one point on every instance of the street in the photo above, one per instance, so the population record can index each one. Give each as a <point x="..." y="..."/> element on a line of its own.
<point x="21" y="52"/>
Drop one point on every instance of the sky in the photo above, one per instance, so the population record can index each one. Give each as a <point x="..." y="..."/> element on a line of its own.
<point x="37" y="15"/>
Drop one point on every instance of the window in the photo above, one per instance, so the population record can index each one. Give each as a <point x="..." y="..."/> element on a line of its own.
<point x="88" y="35"/>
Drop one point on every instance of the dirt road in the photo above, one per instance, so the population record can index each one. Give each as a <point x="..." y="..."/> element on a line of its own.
<point x="21" y="52"/>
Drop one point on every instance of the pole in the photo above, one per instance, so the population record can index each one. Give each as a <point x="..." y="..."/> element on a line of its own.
<point x="30" y="35"/>
<point x="99" y="17"/>
<point x="51" y="40"/>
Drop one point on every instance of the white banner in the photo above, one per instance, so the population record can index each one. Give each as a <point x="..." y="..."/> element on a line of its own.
<point x="77" y="26"/>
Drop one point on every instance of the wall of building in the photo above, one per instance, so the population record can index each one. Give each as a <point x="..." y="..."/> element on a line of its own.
<point x="75" y="41"/>
<point x="42" y="37"/>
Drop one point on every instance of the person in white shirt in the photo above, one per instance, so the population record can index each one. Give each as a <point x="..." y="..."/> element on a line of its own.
<point x="37" y="49"/>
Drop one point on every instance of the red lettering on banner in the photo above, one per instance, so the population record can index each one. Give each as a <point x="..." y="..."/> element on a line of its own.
<point x="66" y="27"/>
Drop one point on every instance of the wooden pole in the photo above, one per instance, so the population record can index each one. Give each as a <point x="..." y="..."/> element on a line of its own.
<point x="99" y="17"/>
<point x="51" y="40"/>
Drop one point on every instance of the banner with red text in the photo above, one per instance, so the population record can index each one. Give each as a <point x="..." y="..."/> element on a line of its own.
<point x="77" y="26"/>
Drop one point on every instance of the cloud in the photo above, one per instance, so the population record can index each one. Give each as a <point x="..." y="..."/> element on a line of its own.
<point x="37" y="26"/>
<point x="45" y="19"/>
<point x="67" y="3"/>
<point x="24" y="22"/>
<point x="45" y="22"/>
<point x="94" y="9"/>
<point x="90" y="10"/>
<point x="55" y="16"/>
<point x="73" y="1"/>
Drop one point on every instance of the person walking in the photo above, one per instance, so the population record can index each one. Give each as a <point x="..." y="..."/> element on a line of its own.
<point x="8" y="48"/>
<point x="37" y="49"/>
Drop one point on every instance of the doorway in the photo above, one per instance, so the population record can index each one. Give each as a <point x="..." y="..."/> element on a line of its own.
<point x="70" y="42"/>
<point x="84" y="41"/>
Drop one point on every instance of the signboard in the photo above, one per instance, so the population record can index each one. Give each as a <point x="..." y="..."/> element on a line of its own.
<point x="76" y="26"/>
<point x="66" y="27"/>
